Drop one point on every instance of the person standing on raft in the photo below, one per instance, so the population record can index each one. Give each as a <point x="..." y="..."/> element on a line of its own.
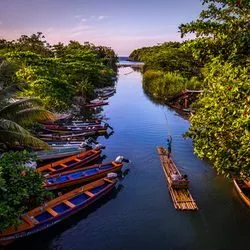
<point x="169" y="145"/>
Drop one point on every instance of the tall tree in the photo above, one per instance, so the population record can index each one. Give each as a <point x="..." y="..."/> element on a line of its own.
<point x="223" y="29"/>
<point x="221" y="126"/>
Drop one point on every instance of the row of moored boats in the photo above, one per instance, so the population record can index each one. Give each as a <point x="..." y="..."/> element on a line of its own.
<point x="76" y="163"/>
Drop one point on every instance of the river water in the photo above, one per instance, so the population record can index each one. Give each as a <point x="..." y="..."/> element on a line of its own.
<point x="139" y="213"/>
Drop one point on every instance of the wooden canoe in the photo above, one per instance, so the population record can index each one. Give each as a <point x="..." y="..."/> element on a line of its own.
<point x="71" y="162"/>
<point x="58" y="153"/>
<point x="57" y="209"/>
<point x="106" y="94"/>
<point x="67" y="129"/>
<point x="66" y="137"/>
<point x="97" y="104"/>
<point x="81" y="175"/>
<point x="243" y="190"/>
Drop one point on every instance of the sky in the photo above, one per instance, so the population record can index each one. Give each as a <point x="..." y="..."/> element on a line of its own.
<point x="123" y="25"/>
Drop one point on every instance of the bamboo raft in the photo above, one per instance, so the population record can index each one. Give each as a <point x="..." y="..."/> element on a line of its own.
<point x="182" y="199"/>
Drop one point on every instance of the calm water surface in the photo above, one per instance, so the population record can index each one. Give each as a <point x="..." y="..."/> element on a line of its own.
<point x="139" y="213"/>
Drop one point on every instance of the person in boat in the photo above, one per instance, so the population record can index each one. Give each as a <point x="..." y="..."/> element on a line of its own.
<point x="169" y="146"/>
<point x="175" y="176"/>
<point x="184" y="177"/>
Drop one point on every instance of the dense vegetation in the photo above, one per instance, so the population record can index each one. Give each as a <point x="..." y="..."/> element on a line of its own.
<point x="221" y="126"/>
<point x="35" y="79"/>
<point x="35" y="76"/>
<point x="20" y="188"/>
<point x="169" y="68"/>
<point x="219" y="59"/>
<point x="55" y="74"/>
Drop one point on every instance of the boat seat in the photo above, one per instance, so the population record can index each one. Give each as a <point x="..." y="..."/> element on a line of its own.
<point x="108" y="180"/>
<point x="51" y="211"/>
<point x="77" y="160"/>
<point x="63" y="165"/>
<point x="51" y="169"/>
<point x="89" y="193"/>
<point x="30" y="220"/>
<point x="68" y="203"/>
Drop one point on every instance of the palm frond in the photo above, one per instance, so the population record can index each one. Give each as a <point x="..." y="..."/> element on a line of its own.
<point x="12" y="126"/>
<point x="12" y="138"/>
<point x="8" y="92"/>
<point x="11" y="109"/>
<point x="28" y="116"/>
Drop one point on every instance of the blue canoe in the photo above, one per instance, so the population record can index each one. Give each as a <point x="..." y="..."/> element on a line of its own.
<point x="57" y="209"/>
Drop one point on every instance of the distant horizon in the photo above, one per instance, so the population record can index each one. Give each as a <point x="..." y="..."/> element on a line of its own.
<point x="65" y="43"/>
<point x="121" y="25"/>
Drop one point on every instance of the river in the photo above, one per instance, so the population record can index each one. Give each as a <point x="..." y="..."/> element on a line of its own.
<point x="139" y="213"/>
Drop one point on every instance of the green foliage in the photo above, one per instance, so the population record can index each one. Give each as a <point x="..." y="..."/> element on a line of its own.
<point x="221" y="126"/>
<point x="142" y="53"/>
<point x="169" y="68"/>
<point x="55" y="74"/>
<point x="20" y="188"/>
<point x="171" y="57"/>
<point x="224" y="30"/>
<point x="7" y="74"/>
<point x="163" y="85"/>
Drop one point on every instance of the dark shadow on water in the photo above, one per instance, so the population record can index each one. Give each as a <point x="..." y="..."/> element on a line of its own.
<point x="107" y="135"/>
<point x="123" y="174"/>
<point x="163" y="103"/>
<point x="42" y="240"/>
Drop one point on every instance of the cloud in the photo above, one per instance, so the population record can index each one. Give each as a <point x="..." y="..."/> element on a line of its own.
<point x="102" y="18"/>
<point x="79" y="29"/>
<point x="84" y="20"/>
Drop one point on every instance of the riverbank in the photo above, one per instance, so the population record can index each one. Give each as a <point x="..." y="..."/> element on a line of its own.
<point x="139" y="214"/>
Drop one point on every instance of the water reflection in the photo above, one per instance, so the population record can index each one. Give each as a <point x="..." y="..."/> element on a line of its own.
<point x="142" y="216"/>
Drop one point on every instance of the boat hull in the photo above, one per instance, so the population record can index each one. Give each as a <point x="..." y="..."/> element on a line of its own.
<point x="58" y="155"/>
<point x="81" y="179"/>
<point x="242" y="195"/>
<point x="63" y="165"/>
<point x="10" y="237"/>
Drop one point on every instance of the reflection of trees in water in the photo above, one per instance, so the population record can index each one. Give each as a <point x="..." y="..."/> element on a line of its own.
<point x="150" y="96"/>
<point x="163" y="102"/>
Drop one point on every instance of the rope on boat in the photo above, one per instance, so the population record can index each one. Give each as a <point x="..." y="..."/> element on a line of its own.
<point x="168" y="131"/>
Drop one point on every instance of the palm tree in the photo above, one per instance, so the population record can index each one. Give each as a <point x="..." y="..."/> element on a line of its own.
<point x="17" y="113"/>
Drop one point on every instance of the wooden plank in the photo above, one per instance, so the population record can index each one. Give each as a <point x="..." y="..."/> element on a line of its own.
<point x="51" y="211"/>
<point x="51" y="169"/>
<point x="77" y="160"/>
<point x="63" y="165"/>
<point x="68" y="203"/>
<point x="108" y="180"/>
<point x="29" y="220"/>
<point x="89" y="193"/>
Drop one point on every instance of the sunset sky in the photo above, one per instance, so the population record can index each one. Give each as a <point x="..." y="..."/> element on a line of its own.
<point x="121" y="24"/>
